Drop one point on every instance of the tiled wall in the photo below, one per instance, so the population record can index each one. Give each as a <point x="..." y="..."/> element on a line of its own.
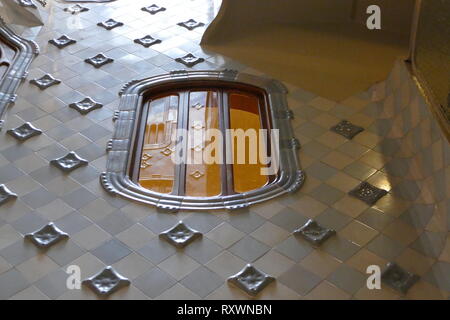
<point x="419" y="153"/>
<point x="432" y="56"/>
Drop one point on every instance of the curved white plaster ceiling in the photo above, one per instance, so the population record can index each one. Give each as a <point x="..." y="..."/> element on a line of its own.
<point x="13" y="13"/>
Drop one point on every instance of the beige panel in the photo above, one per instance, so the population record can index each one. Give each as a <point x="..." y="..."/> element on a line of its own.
<point x="13" y="13"/>
<point x="312" y="44"/>
<point x="433" y="50"/>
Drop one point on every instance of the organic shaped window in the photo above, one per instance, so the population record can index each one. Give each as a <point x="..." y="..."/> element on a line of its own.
<point x="203" y="140"/>
<point x="205" y="110"/>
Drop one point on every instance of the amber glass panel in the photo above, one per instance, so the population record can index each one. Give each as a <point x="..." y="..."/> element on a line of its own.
<point x="202" y="179"/>
<point x="157" y="169"/>
<point x="245" y="115"/>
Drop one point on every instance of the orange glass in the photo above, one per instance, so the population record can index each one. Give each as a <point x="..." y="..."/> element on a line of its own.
<point x="157" y="169"/>
<point x="204" y="112"/>
<point x="202" y="179"/>
<point x="245" y="115"/>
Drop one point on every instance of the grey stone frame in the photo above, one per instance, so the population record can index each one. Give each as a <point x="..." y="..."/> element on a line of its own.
<point x="116" y="179"/>
<point x="17" y="71"/>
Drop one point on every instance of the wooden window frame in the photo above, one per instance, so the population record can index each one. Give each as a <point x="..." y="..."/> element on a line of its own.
<point x="223" y="89"/>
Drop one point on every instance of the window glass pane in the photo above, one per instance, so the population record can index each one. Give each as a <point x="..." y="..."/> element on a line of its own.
<point x="203" y="179"/>
<point x="157" y="169"/>
<point x="245" y="120"/>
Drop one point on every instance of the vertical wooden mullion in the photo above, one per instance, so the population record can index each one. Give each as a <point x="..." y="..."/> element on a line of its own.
<point x="228" y="167"/>
<point x="222" y="127"/>
<point x="140" y="142"/>
<point x="183" y="120"/>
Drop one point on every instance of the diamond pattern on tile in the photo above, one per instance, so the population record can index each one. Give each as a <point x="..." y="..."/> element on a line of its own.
<point x="246" y="221"/>
<point x="288" y="219"/>
<point x="38" y="198"/>
<point x="251" y="280"/>
<point x="439" y="275"/>
<point x="401" y="142"/>
<point x="375" y="218"/>
<point x="347" y="129"/>
<point x="47" y="236"/>
<point x="203" y="221"/>
<point x="314" y="233"/>
<point x="115" y="222"/>
<point x="99" y="60"/>
<point x="73" y="223"/>
<point x="75" y="9"/>
<point x="9" y="172"/>
<point x="111" y="251"/>
<point x="385" y="247"/>
<point x="340" y="248"/>
<point x="28" y="223"/>
<point x="180" y="235"/>
<point x="18" y="252"/>
<point x="106" y="282"/>
<point x="430" y="244"/>
<point x="159" y="222"/>
<point x="418" y="216"/>
<point x="157" y="251"/>
<point x="327" y="194"/>
<point x="11" y="282"/>
<point x="86" y="105"/>
<point x="191" y="24"/>
<point x="225" y="235"/>
<point x="189" y="60"/>
<point x="368" y="193"/>
<point x="110" y="24"/>
<point x="24" y="132"/>
<point x="62" y="42"/>
<point x="203" y="251"/>
<point x="154" y="282"/>
<point x="153" y="9"/>
<point x="397" y="278"/>
<point x="53" y="284"/>
<point x="299" y="279"/>
<point x="6" y="194"/>
<point x="147" y="41"/>
<point x="69" y="162"/>
<point x="65" y="252"/>
<point x="17" y="152"/>
<point x="45" y="81"/>
<point x="347" y="279"/>
<point x="294" y="248"/>
<point x="202" y="281"/>
<point x="249" y="249"/>
<point x="333" y="219"/>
